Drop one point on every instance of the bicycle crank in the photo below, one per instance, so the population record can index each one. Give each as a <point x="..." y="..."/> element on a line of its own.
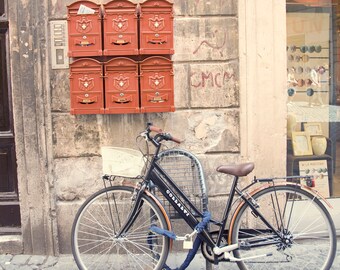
<point x="208" y="252"/>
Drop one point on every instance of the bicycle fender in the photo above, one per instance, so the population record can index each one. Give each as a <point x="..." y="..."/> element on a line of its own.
<point x="267" y="185"/>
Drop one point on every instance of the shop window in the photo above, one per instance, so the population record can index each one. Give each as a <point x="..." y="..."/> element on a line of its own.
<point x="313" y="83"/>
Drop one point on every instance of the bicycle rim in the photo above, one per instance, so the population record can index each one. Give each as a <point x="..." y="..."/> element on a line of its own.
<point x="95" y="241"/>
<point x="300" y="219"/>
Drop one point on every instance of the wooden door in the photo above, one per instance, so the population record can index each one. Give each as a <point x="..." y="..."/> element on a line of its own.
<point x="9" y="198"/>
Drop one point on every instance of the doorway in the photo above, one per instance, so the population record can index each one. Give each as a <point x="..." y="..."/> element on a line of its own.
<point x="9" y="197"/>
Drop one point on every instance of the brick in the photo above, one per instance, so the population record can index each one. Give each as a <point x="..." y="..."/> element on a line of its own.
<point x="86" y="170"/>
<point x="181" y="83"/>
<point x="66" y="213"/>
<point x="5" y="258"/>
<point x="36" y="260"/>
<point x="50" y="262"/>
<point x="206" y="131"/>
<point x="217" y="183"/>
<point x="205" y="7"/>
<point x="20" y="259"/>
<point x="75" y="135"/>
<point x="213" y="38"/>
<point x="60" y="96"/>
<point x="214" y="85"/>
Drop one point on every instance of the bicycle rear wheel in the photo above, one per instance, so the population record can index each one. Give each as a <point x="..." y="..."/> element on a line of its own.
<point x="306" y="240"/>
<point x="95" y="244"/>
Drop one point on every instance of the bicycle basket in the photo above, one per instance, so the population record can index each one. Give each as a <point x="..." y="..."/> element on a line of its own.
<point x="186" y="171"/>
<point x="122" y="161"/>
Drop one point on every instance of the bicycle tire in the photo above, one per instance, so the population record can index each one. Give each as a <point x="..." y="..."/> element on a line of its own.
<point x="305" y="223"/>
<point x="95" y="244"/>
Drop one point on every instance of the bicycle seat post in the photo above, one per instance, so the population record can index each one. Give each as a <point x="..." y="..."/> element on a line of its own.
<point x="227" y="209"/>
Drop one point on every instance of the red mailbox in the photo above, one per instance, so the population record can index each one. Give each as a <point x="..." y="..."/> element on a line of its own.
<point x="120" y="28"/>
<point x="156" y="27"/>
<point x="84" y="29"/>
<point x="86" y="86"/>
<point x="157" y="85"/>
<point x="121" y="86"/>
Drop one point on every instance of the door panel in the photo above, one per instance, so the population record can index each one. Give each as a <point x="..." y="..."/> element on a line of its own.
<point x="8" y="170"/>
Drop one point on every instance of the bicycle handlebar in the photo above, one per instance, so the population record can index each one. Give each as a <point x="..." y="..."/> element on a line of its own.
<point x="165" y="136"/>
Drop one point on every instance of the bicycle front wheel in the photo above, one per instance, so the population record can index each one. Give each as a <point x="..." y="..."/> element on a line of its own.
<point x="301" y="236"/>
<point x="96" y="243"/>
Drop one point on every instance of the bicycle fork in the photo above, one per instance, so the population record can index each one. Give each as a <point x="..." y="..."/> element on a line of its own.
<point x="137" y="206"/>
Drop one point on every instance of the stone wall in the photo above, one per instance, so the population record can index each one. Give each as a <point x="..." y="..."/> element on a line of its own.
<point x="206" y="72"/>
<point x="230" y="81"/>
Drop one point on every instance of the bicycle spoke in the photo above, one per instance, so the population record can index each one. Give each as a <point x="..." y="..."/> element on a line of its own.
<point x="303" y="241"/>
<point x="97" y="247"/>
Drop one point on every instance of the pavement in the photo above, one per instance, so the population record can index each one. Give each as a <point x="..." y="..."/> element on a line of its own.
<point x="66" y="262"/>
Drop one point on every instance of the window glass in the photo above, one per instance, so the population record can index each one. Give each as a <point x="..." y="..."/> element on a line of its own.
<point x="313" y="92"/>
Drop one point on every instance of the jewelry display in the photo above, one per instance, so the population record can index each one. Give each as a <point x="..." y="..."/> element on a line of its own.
<point x="291" y="92"/>
<point x="305" y="48"/>
<point x="310" y="92"/>
<point x="301" y="82"/>
<point x="311" y="49"/>
<point x="307" y="72"/>
<point x="318" y="49"/>
<point x="309" y="82"/>
<point x="299" y="69"/>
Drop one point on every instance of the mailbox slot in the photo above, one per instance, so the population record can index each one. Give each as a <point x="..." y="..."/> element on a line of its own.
<point x="120" y="28"/>
<point x="157" y="85"/>
<point x="86" y="87"/>
<point x="156" y="27"/>
<point x="84" y="30"/>
<point x="121" y="86"/>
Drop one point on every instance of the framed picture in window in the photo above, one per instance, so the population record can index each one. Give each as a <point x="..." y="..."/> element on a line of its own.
<point x="312" y="128"/>
<point x="302" y="145"/>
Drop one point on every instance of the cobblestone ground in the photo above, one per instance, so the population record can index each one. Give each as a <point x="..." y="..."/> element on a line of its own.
<point x="66" y="262"/>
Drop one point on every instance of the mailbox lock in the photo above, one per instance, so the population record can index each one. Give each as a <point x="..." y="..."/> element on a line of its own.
<point x="121" y="94"/>
<point x="120" y="36"/>
<point x="86" y="95"/>
<point x="157" y="35"/>
<point x="157" y="93"/>
<point x="84" y="37"/>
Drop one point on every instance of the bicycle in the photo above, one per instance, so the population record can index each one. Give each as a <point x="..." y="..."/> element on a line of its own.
<point x="279" y="223"/>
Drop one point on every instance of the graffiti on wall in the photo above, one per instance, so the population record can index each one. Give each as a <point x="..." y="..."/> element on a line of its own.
<point x="215" y="78"/>
<point x="215" y="45"/>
